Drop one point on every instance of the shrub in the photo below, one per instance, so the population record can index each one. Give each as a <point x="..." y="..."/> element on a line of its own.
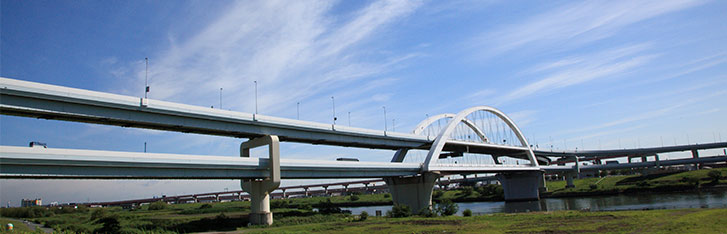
<point x="427" y="212"/>
<point x="466" y="191"/>
<point x="158" y="205"/>
<point x="714" y="175"/>
<point x="437" y="193"/>
<point x="593" y="186"/>
<point x="98" y="213"/>
<point x="328" y="207"/>
<point x="205" y="206"/>
<point x="399" y="211"/>
<point x="279" y="203"/>
<point x="354" y="197"/>
<point x="387" y="195"/>
<point x="364" y="215"/>
<point x="447" y="208"/>
<point x="110" y="224"/>
<point x="467" y="213"/>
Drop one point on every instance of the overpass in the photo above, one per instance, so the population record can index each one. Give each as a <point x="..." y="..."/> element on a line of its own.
<point x="470" y="135"/>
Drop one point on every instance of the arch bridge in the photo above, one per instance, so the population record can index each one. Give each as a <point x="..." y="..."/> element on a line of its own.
<point x="471" y="141"/>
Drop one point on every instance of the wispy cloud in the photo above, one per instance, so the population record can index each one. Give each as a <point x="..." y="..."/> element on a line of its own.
<point x="577" y="24"/>
<point x="294" y="50"/>
<point x="576" y="70"/>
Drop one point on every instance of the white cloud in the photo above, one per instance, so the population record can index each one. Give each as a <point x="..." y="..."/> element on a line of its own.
<point x="577" y="70"/>
<point x="294" y="50"/>
<point x="578" y="23"/>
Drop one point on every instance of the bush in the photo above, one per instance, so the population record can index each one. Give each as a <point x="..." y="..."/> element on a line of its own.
<point x="387" y="195"/>
<point x="328" y="207"/>
<point x="447" y="208"/>
<point x="364" y="215"/>
<point x="205" y="206"/>
<point x="426" y="212"/>
<point x="437" y="193"/>
<point x="714" y="175"/>
<point x="399" y="211"/>
<point x="110" y="224"/>
<point x="467" y="213"/>
<point x="98" y="213"/>
<point x="593" y="186"/>
<point x="354" y="197"/>
<point x="466" y="191"/>
<point x="158" y="205"/>
<point x="279" y="203"/>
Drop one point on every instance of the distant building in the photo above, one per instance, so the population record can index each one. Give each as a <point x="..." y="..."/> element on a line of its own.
<point x="31" y="202"/>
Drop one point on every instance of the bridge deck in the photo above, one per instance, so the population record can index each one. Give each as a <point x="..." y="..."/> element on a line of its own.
<point x="27" y="162"/>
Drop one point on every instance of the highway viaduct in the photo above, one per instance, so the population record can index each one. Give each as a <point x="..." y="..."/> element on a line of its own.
<point x="481" y="131"/>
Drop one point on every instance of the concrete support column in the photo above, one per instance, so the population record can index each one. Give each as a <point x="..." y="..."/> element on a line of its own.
<point x="260" y="189"/>
<point x="366" y="187"/>
<point x="195" y="199"/>
<point x="345" y="188"/>
<point x="521" y="186"/>
<point x="695" y="154"/>
<point x="306" y="191"/>
<point x="325" y="189"/>
<point x="285" y="195"/>
<point x="414" y="192"/>
<point x="569" y="180"/>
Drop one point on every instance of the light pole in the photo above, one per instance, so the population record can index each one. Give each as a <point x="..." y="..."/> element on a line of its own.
<point x="255" y="96"/>
<point x="297" y="110"/>
<point x="385" y="125"/>
<point x="220" y="98"/>
<point x="349" y="119"/>
<point x="333" y="102"/>
<point x="146" y="78"/>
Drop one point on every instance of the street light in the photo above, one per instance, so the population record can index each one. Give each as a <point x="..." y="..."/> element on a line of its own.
<point x="333" y="101"/>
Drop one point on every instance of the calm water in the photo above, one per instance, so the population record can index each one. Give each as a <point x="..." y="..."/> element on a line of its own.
<point x="711" y="199"/>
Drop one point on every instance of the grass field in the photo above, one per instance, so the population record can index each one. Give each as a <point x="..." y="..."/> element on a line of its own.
<point x="18" y="227"/>
<point x="651" y="221"/>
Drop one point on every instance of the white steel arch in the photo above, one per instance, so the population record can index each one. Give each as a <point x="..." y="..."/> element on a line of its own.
<point x="429" y="121"/>
<point x="443" y="136"/>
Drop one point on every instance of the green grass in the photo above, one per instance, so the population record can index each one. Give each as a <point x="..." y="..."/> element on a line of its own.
<point x="18" y="226"/>
<point x="634" y="183"/>
<point x="652" y="221"/>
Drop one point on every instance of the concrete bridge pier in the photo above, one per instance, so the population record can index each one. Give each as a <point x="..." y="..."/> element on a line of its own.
<point x="522" y="186"/>
<point x="260" y="189"/>
<point x="569" y="180"/>
<point x="414" y="192"/>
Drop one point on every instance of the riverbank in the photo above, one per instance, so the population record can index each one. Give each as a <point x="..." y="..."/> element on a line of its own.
<point x="698" y="180"/>
<point x="649" y="221"/>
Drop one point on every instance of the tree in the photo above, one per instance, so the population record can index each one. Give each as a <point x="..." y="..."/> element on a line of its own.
<point x="715" y="175"/>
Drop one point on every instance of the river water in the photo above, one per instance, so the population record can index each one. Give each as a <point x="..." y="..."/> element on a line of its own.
<point x="707" y="199"/>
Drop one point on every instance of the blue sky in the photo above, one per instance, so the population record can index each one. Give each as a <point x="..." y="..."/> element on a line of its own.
<point x="592" y="74"/>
